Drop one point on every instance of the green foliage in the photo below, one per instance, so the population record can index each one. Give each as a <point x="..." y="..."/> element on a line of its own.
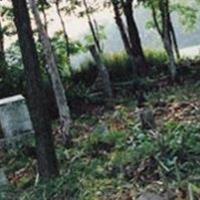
<point x="187" y="12"/>
<point x="7" y="13"/>
<point x="100" y="33"/>
<point x="119" y="66"/>
<point x="188" y="15"/>
<point x="59" y="46"/>
<point x="84" y="175"/>
<point x="156" y="58"/>
<point x="12" y="74"/>
<point x="102" y="163"/>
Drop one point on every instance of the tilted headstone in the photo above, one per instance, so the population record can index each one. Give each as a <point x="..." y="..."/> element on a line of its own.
<point x="14" y="118"/>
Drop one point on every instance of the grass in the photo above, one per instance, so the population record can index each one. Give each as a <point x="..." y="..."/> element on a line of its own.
<point x="112" y="157"/>
<point x="118" y="158"/>
<point x="120" y="67"/>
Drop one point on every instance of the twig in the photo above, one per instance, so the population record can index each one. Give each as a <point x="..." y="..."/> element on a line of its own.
<point x="162" y="165"/>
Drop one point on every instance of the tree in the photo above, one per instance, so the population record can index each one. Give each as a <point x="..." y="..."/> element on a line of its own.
<point x="166" y="32"/>
<point x="47" y="163"/>
<point x="92" y="26"/>
<point x="130" y="37"/>
<point x="3" y="62"/>
<point x="102" y="82"/>
<point x="96" y="52"/>
<point x="161" y="15"/>
<point x="103" y="75"/>
<point x="66" y="37"/>
<point x="43" y="5"/>
<point x="2" y="50"/>
<point x="59" y="91"/>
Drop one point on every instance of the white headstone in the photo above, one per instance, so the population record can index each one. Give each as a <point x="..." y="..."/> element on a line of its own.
<point x="14" y="117"/>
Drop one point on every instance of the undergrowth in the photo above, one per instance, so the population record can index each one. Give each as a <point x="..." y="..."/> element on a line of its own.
<point x="115" y="159"/>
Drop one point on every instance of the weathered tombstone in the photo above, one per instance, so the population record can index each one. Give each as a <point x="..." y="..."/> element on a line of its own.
<point x="3" y="178"/>
<point x="151" y="196"/>
<point x="14" y="118"/>
<point x="147" y="118"/>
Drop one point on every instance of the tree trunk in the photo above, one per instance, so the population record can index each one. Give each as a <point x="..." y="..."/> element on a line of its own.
<point x="66" y="37"/>
<point x="96" y="53"/>
<point x="2" y="50"/>
<point x="174" y="40"/>
<point x="103" y="73"/>
<point x="47" y="164"/>
<point x="167" y="40"/>
<point x="52" y="69"/>
<point x="92" y="28"/>
<point x="44" y="16"/>
<point x="170" y="53"/>
<point x="121" y="27"/>
<point x="3" y="63"/>
<point x="134" y="37"/>
<point x="124" y="36"/>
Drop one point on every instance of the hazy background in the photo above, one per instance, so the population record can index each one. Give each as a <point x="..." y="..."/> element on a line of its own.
<point x="77" y="28"/>
<point x="188" y="40"/>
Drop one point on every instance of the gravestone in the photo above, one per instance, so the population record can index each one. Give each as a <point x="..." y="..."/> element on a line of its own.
<point x="3" y="178"/>
<point x="15" y="120"/>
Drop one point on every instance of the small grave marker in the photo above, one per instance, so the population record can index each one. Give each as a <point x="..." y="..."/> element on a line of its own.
<point x="3" y="178"/>
<point x="15" y="120"/>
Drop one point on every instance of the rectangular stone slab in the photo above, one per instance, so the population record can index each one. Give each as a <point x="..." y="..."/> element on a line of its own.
<point x="3" y="178"/>
<point x="14" y="117"/>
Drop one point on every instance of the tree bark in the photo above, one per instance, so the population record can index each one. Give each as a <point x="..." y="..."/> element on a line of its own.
<point x="124" y="36"/>
<point x="167" y="40"/>
<point x="47" y="164"/>
<point x="44" y="3"/>
<point x="134" y="37"/>
<point x="96" y="52"/>
<point x="66" y="37"/>
<point x="3" y="62"/>
<point x="174" y="40"/>
<point x="64" y="29"/>
<point x="52" y="69"/>
<point x="121" y="27"/>
<point x="130" y="38"/>
<point x="2" y="50"/>
<point x="103" y="73"/>
<point x="92" y="28"/>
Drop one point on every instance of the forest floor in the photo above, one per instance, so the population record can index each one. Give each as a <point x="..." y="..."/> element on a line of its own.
<point x="112" y="158"/>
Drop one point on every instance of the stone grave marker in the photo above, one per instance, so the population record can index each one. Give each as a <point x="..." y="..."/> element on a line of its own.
<point x="3" y="178"/>
<point x="15" y="120"/>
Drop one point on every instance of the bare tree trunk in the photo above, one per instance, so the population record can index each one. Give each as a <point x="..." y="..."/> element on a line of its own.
<point x="66" y="37"/>
<point x="96" y="52"/>
<point x="121" y="27"/>
<point x="124" y="36"/>
<point x="174" y="40"/>
<point x="47" y="163"/>
<point x="2" y="50"/>
<point x="155" y="20"/>
<point x="134" y="38"/>
<point x="44" y="16"/>
<point x="103" y="73"/>
<point x="92" y="28"/>
<point x="170" y="53"/>
<point x="166" y="33"/>
<point x="164" y="9"/>
<point x="52" y="69"/>
<point x="3" y="63"/>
